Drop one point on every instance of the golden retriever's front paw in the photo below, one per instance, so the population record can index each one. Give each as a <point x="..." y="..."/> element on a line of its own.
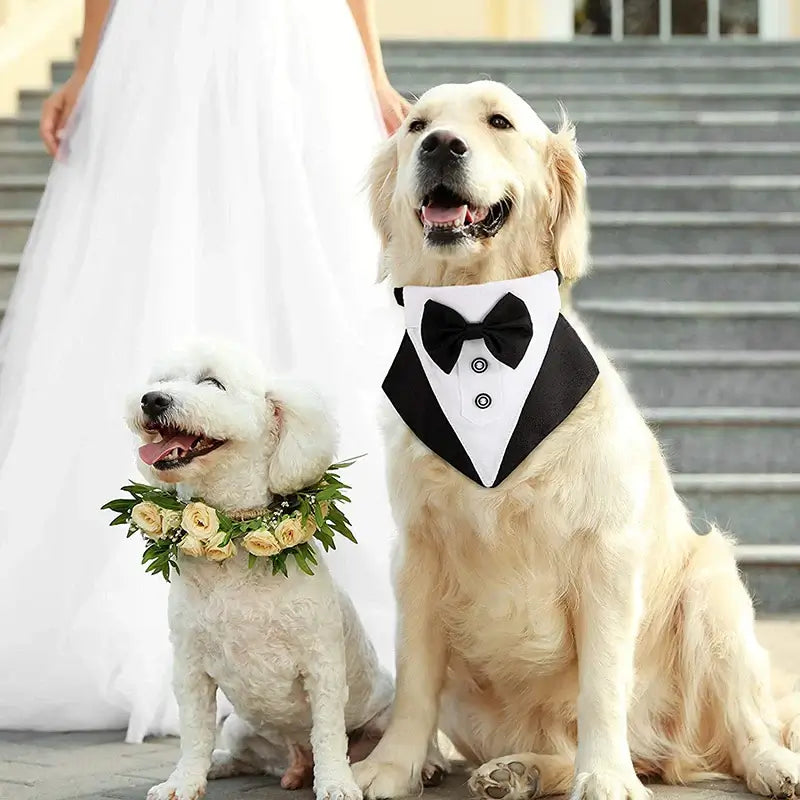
<point x="178" y="790"/>
<point x="505" y="779"/>
<point x="609" y="785"/>
<point x="774" y="773"/>
<point x="381" y="780"/>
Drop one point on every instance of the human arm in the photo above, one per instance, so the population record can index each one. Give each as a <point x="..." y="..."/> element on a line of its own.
<point x="394" y="106"/>
<point x="56" y="110"/>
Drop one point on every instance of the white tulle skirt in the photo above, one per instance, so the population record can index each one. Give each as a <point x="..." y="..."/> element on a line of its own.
<point x="210" y="184"/>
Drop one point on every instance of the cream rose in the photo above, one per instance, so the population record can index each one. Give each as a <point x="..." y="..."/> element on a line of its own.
<point x="191" y="545"/>
<point x="216" y="552"/>
<point x="170" y="521"/>
<point x="261" y="543"/>
<point x="147" y="518"/>
<point x="200" y="521"/>
<point x="292" y="531"/>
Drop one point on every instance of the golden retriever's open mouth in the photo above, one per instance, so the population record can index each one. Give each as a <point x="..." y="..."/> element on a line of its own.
<point x="171" y="447"/>
<point x="447" y="217"/>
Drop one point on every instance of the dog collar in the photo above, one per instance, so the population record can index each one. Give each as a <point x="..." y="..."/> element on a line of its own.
<point x="486" y="372"/>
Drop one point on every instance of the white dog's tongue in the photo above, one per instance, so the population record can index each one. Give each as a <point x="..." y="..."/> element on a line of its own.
<point x="437" y="215"/>
<point x="155" y="451"/>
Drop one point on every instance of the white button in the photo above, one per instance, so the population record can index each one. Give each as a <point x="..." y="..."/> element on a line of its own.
<point x="479" y="365"/>
<point x="483" y="400"/>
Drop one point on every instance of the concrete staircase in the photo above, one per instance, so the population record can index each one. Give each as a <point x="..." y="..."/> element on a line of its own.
<point x="693" y="155"/>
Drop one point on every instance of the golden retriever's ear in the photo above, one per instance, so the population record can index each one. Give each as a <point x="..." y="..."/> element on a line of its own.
<point x="567" y="188"/>
<point x="381" y="181"/>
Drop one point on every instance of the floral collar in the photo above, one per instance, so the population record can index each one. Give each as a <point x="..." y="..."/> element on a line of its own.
<point x="284" y="528"/>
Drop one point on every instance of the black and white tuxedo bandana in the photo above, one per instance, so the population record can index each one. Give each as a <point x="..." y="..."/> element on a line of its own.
<point x="484" y="373"/>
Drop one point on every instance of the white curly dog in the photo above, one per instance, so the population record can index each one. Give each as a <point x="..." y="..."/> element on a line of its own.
<point x="568" y="628"/>
<point x="283" y="650"/>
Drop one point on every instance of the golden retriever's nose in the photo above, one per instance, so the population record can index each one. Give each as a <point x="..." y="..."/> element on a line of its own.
<point x="442" y="146"/>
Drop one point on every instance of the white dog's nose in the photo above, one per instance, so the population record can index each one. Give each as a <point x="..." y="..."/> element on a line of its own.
<point x="155" y="403"/>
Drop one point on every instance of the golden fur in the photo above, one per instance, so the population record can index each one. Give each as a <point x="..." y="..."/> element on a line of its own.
<point x="569" y="627"/>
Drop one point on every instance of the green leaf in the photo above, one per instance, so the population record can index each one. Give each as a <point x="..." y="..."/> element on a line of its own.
<point x="119" y="505"/>
<point x="151" y="552"/>
<point x="325" y="535"/>
<point x="348" y="534"/>
<point x="167" y="502"/>
<point x="251" y="561"/>
<point x="344" y="464"/>
<point x="122" y="519"/>
<point x="302" y="563"/>
<point x="327" y="493"/>
<point x="308" y="551"/>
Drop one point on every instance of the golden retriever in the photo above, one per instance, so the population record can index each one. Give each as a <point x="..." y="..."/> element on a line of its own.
<point x="568" y="628"/>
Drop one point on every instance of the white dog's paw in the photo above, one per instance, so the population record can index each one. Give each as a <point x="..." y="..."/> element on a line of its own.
<point x="774" y="772"/>
<point x="505" y="779"/>
<point x="791" y="735"/>
<point x="381" y="780"/>
<point x="178" y="790"/>
<point x="345" y="789"/>
<point x="609" y="785"/>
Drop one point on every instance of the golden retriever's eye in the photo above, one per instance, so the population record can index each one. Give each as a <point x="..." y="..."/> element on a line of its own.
<point x="213" y="381"/>
<point x="500" y="122"/>
<point x="417" y="125"/>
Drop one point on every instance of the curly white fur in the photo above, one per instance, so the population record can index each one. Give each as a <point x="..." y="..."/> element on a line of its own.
<point x="283" y="650"/>
<point x="569" y="628"/>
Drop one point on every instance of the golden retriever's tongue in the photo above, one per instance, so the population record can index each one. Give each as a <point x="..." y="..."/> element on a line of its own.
<point x="155" y="451"/>
<point x="436" y="215"/>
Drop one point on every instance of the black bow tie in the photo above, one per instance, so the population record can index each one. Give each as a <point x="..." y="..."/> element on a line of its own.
<point x="507" y="331"/>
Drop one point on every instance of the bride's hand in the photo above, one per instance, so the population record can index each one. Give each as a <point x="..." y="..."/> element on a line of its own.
<point x="56" y="111"/>
<point x="394" y="107"/>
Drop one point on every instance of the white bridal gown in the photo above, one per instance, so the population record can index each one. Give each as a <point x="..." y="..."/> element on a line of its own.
<point x="210" y="185"/>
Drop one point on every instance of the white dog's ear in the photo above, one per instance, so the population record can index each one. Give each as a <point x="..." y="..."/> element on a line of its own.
<point x="381" y="182"/>
<point x="566" y="180"/>
<point x="306" y="439"/>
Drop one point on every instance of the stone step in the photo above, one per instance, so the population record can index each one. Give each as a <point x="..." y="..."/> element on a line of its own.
<point x="670" y="127"/>
<point x="607" y="193"/>
<point x="625" y="159"/>
<point x="14" y="229"/>
<point x="695" y="232"/>
<point x="707" y="325"/>
<point x="772" y="575"/>
<point x="641" y="97"/>
<point x="643" y="48"/>
<point x="757" y="193"/>
<point x="692" y="277"/>
<point x="712" y="378"/>
<point x="728" y="440"/>
<point x="580" y="73"/>
<point x="9" y="266"/>
<point x="29" y="158"/>
<point x="758" y="509"/>
<point x="21" y="128"/>
<point x="21" y="193"/>
<point x="767" y="99"/>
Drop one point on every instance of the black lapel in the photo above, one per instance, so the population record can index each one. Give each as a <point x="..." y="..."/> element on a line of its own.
<point x="568" y="372"/>
<point x="409" y="392"/>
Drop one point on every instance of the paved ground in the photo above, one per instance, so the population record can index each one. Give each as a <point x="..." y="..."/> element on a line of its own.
<point x="99" y="766"/>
